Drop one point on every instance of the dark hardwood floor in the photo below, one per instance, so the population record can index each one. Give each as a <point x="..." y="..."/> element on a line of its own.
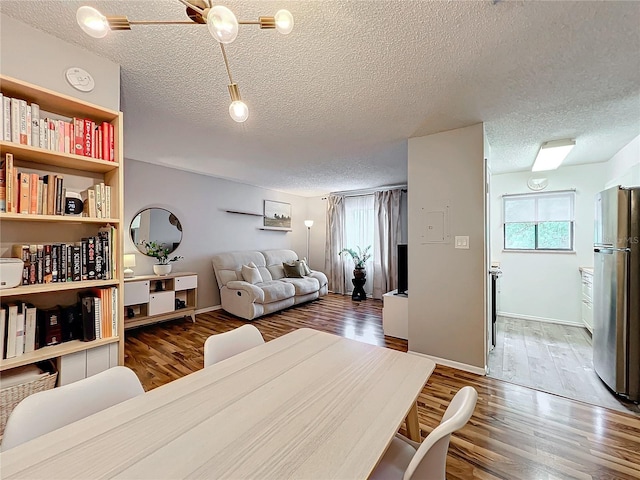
<point x="515" y="432"/>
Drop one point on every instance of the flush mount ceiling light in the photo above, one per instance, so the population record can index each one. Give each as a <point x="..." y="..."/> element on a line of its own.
<point x="221" y="22"/>
<point x="552" y="154"/>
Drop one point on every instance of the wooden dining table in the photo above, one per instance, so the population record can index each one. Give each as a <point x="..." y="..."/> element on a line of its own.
<point x="307" y="405"/>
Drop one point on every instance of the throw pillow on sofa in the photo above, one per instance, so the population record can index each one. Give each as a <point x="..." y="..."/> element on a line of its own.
<point x="307" y="270"/>
<point x="251" y="274"/>
<point x="293" y="269"/>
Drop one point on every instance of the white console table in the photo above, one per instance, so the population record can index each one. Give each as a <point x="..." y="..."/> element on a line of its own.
<point x="395" y="315"/>
<point x="152" y="298"/>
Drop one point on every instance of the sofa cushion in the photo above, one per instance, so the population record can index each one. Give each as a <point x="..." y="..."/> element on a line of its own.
<point x="276" y="290"/>
<point x="251" y="274"/>
<point x="228" y="266"/>
<point x="303" y="286"/>
<point x="276" y="271"/>
<point x="307" y="270"/>
<point x="293" y="270"/>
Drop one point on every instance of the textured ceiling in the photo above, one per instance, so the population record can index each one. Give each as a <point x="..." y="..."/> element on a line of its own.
<point x="333" y="104"/>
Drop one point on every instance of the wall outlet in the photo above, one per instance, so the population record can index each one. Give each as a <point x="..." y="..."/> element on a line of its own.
<point x="462" y="242"/>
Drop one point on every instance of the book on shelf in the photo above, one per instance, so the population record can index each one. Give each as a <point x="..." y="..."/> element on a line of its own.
<point x="12" y="327"/>
<point x="30" y="312"/>
<point x="19" y="318"/>
<point x="3" y="185"/>
<point x="6" y="118"/>
<point x="9" y="181"/>
<point x="49" y="327"/>
<point x="27" y="124"/>
<point x="89" y="316"/>
<point x="3" y="330"/>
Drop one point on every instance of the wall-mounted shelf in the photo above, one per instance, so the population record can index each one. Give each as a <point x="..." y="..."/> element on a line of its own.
<point x="239" y="212"/>
<point x="277" y="229"/>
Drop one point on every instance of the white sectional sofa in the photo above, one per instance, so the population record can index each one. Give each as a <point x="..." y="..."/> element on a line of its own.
<point x="272" y="290"/>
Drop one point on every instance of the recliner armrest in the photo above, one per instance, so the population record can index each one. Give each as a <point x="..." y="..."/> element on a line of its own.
<point x="255" y="293"/>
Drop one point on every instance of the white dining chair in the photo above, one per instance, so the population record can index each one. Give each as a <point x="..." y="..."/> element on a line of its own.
<point x="409" y="460"/>
<point x="224" y="345"/>
<point x="49" y="410"/>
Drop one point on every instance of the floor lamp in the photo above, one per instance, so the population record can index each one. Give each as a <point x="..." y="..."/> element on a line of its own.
<point x="308" y="224"/>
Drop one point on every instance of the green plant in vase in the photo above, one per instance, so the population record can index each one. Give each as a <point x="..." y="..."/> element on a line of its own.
<point x="161" y="253"/>
<point x="359" y="257"/>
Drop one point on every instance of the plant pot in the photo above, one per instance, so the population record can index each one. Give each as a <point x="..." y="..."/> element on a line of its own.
<point x="359" y="273"/>
<point x="162" y="269"/>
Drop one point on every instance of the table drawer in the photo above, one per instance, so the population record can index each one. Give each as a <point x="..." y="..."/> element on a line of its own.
<point x="136" y="292"/>
<point x="161" y="302"/>
<point x="184" y="283"/>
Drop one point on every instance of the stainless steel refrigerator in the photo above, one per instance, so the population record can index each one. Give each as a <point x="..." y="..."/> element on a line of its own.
<point x="616" y="290"/>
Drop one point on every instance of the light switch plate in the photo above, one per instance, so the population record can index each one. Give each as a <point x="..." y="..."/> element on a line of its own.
<point x="462" y="242"/>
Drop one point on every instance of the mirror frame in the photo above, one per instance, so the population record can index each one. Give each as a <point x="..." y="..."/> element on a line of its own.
<point x="177" y="225"/>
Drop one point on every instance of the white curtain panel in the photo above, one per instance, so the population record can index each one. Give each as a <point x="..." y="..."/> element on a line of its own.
<point x="334" y="263"/>
<point x="359" y="231"/>
<point x="387" y="235"/>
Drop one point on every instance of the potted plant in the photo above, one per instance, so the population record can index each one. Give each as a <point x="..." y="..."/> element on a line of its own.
<point x="161" y="253"/>
<point x="359" y="259"/>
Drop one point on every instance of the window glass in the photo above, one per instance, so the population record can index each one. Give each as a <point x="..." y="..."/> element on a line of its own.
<point x="539" y="221"/>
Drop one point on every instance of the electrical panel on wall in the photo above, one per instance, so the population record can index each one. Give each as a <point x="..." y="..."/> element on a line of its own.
<point x="434" y="226"/>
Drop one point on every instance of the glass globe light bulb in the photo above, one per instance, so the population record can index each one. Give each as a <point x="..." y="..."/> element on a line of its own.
<point x="222" y="24"/>
<point x="284" y="21"/>
<point x="92" y="22"/>
<point x="239" y="111"/>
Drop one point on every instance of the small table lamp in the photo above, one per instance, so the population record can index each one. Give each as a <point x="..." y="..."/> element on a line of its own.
<point x="129" y="261"/>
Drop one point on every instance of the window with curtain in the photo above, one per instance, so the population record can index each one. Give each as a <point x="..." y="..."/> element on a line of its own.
<point x="359" y="229"/>
<point x="539" y="221"/>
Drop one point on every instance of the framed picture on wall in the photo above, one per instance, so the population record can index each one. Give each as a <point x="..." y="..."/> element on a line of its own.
<point x="277" y="214"/>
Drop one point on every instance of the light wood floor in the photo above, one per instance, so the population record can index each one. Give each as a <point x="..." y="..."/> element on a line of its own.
<point x="515" y="433"/>
<point x="552" y="358"/>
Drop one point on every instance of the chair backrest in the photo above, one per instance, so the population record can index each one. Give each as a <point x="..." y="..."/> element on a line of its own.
<point x="46" y="411"/>
<point x="224" y="345"/>
<point x="430" y="460"/>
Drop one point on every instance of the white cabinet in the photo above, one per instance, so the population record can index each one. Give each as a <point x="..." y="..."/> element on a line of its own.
<point x="161" y="302"/>
<point x="587" y="298"/>
<point x="395" y="315"/>
<point x="155" y="298"/>
<point x="83" y="364"/>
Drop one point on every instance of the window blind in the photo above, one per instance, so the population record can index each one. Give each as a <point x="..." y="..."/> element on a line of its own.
<point x="539" y="207"/>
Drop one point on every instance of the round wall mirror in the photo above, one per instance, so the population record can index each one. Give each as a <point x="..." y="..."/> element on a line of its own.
<point x="156" y="225"/>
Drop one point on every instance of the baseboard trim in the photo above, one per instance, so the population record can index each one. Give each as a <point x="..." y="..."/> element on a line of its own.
<point x="452" y="364"/>
<point x="209" y="309"/>
<point x="540" y="319"/>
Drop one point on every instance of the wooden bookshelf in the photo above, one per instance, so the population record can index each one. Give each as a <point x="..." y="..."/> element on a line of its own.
<point x="54" y="351"/>
<point x="16" y="228"/>
<point x="55" y="287"/>
<point x="22" y="217"/>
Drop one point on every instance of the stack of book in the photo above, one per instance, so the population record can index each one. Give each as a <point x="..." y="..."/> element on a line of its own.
<point x="26" y="124"/>
<point x="92" y="258"/>
<point x="25" y="328"/>
<point x="24" y="191"/>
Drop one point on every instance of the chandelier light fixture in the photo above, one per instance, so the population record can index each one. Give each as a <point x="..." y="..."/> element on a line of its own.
<point x="221" y="22"/>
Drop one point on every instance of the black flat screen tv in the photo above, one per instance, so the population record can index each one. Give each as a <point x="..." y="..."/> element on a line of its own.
<point x="403" y="267"/>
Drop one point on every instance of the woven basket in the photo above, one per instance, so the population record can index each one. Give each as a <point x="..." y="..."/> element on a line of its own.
<point x="12" y="396"/>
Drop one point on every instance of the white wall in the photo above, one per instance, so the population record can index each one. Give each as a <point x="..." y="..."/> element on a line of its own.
<point x="39" y="58"/>
<point x="539" y="285"/>
<point x="624" y="166"/>
<point x="446" y="285"/>
<point x="198" y="201"/>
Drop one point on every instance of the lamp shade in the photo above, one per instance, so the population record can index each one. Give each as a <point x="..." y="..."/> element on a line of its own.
<point x="222" y="24"/>
<point x="92" y="22"/>
<point x="284" y="21"/>
<point x="308" y="223"/>
<point x="129" y="260"/>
